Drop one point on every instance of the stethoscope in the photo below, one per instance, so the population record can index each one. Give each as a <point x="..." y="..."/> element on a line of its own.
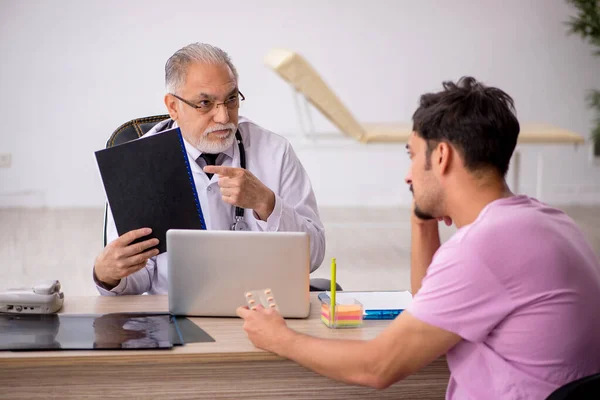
<point x="238" y="224"/>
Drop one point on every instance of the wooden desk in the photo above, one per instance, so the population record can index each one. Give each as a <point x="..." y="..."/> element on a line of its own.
<point x="228" y="368"/>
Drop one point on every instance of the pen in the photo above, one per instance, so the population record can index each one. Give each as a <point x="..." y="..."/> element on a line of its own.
<point x="332" y="291"/>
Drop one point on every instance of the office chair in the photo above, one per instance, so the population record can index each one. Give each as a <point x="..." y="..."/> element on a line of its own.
<point x="587" y="388"/>
<point x="137" y="128"/>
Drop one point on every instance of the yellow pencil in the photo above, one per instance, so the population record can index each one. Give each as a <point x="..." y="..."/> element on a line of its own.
<point x="332" y="292"/>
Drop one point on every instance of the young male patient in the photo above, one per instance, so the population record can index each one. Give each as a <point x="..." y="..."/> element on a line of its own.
<point x="511" y="298"/>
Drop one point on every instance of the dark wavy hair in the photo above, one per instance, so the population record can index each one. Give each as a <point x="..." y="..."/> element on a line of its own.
<point x="478" y="121"/>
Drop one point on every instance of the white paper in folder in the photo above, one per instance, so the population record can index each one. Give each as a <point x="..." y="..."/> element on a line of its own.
<point x="387" y="300"/>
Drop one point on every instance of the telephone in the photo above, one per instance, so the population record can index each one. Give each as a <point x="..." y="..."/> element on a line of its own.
<point x="43" y="298"/>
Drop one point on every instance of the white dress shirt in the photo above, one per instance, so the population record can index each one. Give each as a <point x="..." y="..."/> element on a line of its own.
<point x="272" y="160"/>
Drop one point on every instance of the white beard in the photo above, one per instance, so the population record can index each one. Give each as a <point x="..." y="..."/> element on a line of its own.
<point x="224" y="142"/>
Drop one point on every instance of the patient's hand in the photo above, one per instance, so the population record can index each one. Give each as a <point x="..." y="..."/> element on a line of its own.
<point x="423" y="222"/>
<point x="120" y="258"/>
<point x="266" y="328"/>
<point x="447" y="220"/>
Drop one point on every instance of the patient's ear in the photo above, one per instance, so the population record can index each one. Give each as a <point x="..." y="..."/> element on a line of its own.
<point x="171" y="103"/>
<point x="443" y="157"/>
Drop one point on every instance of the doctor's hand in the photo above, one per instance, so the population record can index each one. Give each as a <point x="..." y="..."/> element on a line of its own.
<point x="120" y="258"/>
<point x="241" y="188"/>
<point x="265" y="328"/>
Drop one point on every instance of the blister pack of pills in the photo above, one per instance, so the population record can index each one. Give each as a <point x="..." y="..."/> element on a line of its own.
<point x="262" y="297"/>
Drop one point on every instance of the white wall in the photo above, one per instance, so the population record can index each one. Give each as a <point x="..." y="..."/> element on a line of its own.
<point x="73" y="71"/>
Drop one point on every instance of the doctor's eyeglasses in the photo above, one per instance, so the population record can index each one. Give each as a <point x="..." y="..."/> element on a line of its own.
<point x="205" y="106"/>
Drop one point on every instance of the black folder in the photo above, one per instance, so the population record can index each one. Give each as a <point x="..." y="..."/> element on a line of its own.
<point x="149" y="183"/>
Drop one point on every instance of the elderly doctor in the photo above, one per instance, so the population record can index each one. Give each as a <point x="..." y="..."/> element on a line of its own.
<point x="203" y="98"/>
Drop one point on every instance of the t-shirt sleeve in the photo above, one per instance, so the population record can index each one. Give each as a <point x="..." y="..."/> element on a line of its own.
<point x="461" y="294"/>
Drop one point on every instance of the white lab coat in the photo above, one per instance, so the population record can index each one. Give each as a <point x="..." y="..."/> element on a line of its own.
<point x="272" y="160"/>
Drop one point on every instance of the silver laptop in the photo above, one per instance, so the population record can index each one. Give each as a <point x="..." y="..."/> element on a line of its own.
<point x="210" y="271"/>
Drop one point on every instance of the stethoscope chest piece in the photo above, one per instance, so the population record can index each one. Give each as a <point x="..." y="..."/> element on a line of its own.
<point x="239" y="224"/>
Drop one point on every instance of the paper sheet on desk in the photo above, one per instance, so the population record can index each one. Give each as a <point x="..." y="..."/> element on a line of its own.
<point x="388" y="300"/>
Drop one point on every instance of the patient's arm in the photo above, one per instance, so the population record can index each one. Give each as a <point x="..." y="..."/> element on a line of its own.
<point x="405" y="347"/>
<point x="425" y="241"/>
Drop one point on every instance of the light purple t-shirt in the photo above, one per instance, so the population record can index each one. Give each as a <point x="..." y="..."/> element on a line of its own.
<point x="521" y="286"/>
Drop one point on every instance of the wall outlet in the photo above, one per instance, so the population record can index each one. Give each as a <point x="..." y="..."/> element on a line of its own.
<point x="5" y="160"/>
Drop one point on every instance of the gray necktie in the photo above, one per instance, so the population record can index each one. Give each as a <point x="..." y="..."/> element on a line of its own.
<point x="209" y="159"/>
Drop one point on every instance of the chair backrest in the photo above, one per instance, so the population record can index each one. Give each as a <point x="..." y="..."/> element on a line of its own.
<point x="133" y="129"/>
<point x="294" y="69"/>
<point x="581" y="389"/>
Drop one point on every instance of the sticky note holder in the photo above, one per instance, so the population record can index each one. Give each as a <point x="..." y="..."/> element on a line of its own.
<point x="349" y="315"/>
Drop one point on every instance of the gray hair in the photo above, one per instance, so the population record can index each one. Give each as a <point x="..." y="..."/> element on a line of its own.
<point x="176" y="66"/>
